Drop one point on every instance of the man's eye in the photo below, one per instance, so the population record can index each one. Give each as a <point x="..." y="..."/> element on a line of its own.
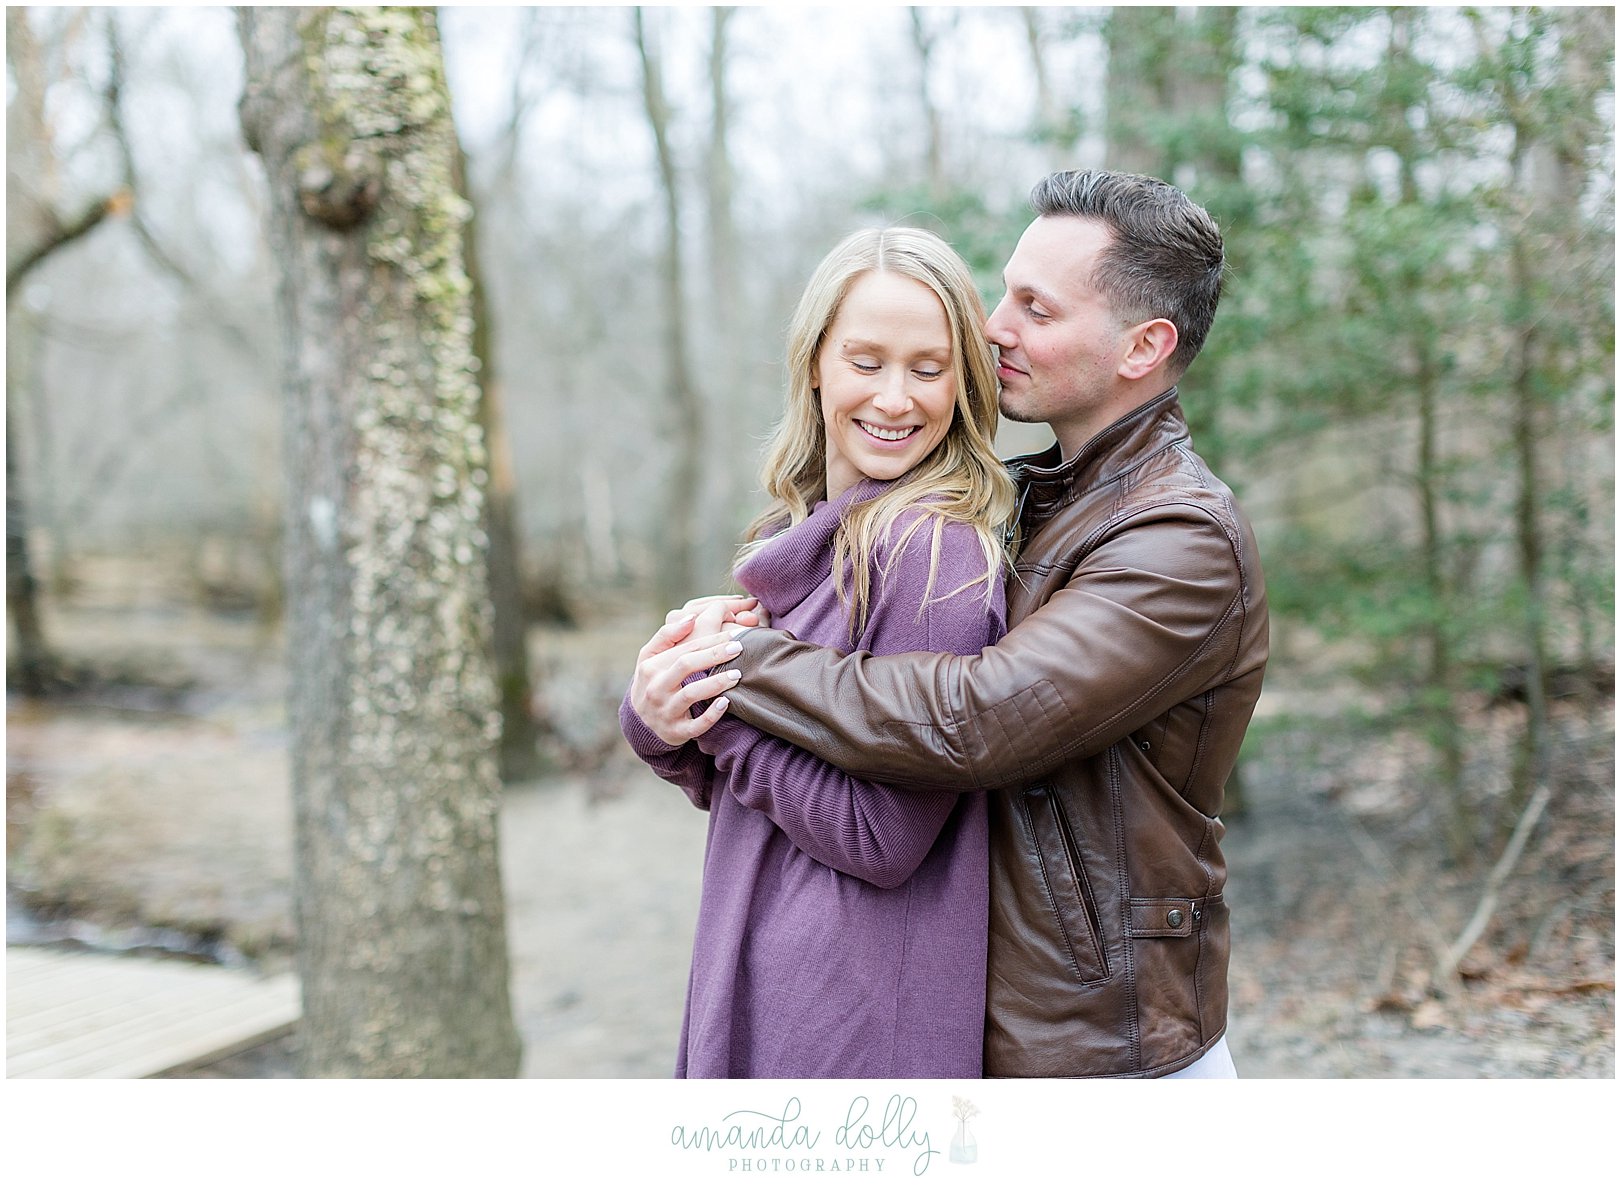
<point x="1038" y="313"/>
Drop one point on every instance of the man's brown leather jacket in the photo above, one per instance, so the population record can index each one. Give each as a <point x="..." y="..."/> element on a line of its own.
<point x="1105" y="724"/>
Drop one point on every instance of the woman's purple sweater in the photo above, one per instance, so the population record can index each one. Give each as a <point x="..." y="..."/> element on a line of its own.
<point x="842" y="927"/>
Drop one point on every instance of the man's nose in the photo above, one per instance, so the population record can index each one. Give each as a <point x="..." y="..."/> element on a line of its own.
<point x="998" y="327"/>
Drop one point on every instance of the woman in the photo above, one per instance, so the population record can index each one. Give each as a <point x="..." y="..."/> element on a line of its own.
<point x="842" y="927"/>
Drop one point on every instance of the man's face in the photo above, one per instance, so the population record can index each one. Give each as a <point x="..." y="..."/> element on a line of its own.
<point x="1059" y="345"/>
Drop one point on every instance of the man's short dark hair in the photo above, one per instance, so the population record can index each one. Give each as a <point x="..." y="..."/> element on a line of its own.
<point x="1165" y="256"/>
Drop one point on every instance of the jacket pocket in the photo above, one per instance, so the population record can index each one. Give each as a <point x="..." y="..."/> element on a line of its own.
<point x="1063" y="877"/>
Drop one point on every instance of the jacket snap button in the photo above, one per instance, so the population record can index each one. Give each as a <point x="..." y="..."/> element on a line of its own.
<point x="1174" y="918"/>
<point x="1143" y="745"/>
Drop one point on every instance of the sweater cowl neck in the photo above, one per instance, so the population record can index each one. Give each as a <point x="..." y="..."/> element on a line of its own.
<point x="783" y="571"/>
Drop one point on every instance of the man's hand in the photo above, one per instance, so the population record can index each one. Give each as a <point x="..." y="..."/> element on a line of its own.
<point x="690" y="643"/>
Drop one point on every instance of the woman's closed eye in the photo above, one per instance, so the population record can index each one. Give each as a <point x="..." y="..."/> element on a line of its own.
<point x="924" y="372"/>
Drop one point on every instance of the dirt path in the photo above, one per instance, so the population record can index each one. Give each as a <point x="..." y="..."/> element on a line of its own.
<point x="603" y="898"/>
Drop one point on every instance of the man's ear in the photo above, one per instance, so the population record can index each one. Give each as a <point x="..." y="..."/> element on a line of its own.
<point x="1148" y="345"/>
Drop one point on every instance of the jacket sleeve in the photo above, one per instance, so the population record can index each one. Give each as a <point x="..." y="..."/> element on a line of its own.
<point x="685" y="766"/>
<point x="862" y="827"/>
<point x="1152" y="615"/>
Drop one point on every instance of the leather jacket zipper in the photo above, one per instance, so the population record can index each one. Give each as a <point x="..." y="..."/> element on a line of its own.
<point x="1069" y="898"/>
<point x="1087" y="901"/>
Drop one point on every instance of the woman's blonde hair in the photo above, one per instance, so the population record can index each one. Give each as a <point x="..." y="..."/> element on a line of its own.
<point x="962" y="479"/>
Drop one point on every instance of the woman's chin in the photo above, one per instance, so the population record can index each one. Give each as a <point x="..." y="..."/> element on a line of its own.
<point x="885" y="470"/>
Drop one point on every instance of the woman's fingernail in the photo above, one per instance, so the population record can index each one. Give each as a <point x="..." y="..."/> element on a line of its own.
<point x="723" y="702"/>
<point x="735" y="674"/>
<point x="735" y="647"/>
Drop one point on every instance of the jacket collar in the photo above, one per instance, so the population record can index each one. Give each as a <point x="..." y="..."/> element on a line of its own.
<point x="1047" y="482"/>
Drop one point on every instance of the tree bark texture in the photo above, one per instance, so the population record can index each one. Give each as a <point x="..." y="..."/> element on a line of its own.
<point x="392" y="707"/>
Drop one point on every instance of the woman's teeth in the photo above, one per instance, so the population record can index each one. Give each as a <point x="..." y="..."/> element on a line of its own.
<point x="888" y="435"/>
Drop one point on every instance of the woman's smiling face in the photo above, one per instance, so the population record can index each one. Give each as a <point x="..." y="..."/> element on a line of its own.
<point x="886" y="376"/>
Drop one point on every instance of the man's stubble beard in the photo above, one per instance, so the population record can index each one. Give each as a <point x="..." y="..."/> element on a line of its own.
<point x="1022" y="416"/>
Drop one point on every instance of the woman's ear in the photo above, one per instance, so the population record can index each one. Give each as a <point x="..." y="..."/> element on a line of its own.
<point x="1148" y="345"/>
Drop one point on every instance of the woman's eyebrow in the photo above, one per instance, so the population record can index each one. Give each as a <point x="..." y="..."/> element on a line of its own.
<point x="875" y="345"/>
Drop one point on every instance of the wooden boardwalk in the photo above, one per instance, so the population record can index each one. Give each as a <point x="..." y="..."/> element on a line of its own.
<point x="79" y="1015"/>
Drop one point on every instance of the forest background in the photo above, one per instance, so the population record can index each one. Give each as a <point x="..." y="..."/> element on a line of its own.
<point x="1409" y="386"/>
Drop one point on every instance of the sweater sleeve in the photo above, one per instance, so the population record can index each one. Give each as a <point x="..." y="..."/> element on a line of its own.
<point x="865" y="828"/>
<point x="1161" y="607"/>
<point x="684" y="766"/>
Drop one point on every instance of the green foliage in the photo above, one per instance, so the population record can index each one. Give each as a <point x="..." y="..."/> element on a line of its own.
<point x="1407" y="299"/>
<point x="1410" y="293"/>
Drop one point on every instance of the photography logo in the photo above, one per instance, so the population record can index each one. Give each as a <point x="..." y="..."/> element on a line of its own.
<point x="964" y="1147"/>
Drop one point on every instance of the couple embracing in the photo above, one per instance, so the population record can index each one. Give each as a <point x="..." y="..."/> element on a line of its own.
<point x="962" y="743"/>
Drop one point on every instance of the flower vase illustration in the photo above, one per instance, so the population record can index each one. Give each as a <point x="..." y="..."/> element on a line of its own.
<point x="964" y="1148"/>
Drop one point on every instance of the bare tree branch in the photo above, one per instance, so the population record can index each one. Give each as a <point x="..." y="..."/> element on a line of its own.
<point x="62" y="234"/>
<point x="210" y="299"/>
<point x="1447" y="968"/>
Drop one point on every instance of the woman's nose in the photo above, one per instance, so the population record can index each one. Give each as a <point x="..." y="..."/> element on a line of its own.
<point x="892" y="397"/>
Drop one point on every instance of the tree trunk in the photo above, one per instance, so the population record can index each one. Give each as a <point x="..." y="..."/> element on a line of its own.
<point x="29" y="222"/>
<point x="519" y="752"/>
<point x="934" y="162"/>
<point x="1530" y="767"/>
<point x="1138" y="86"/>
<point x="1440" y="676"/>
<point x="1207" y="57"/>
<point x="1202" y="60"/>
<point x="727" y="486"/>
<point x="392" y="705"/>
<point x="676" y="579"/>
<point x="32" y="657"/>
<point x="1054" y="127"/>
<point x="1549" y="166"/>
<point x="1587" y="42"/>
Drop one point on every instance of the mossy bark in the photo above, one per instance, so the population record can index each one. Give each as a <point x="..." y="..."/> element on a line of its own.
<point x="392" y="707"/>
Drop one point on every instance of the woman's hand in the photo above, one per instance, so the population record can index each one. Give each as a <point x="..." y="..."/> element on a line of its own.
<point x="690" y="643"/>
<point x="735" y="609"/>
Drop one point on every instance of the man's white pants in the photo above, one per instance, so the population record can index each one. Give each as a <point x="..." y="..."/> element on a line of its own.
<point x="1216" y="1063"/>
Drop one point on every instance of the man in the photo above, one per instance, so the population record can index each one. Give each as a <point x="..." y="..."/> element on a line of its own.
<point x="1107" y="720"/>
